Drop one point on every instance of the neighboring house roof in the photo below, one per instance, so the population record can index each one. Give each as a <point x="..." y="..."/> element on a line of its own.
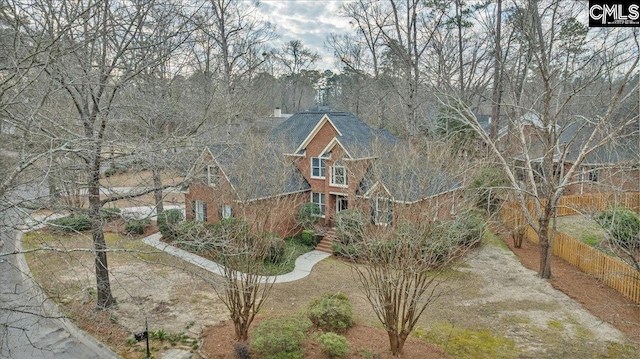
<point x="269" y="180"/>
<point x="623" y="149"/>
<point x="356" y="136"/>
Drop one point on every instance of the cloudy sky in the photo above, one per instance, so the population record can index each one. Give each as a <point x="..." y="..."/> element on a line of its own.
<point x="309" y="21"/>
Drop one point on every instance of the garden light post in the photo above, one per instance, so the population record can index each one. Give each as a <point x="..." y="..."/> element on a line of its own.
<point x="144" y="335"/>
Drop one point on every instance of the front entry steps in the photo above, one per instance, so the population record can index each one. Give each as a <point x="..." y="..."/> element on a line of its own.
<point x="327" y="240"/>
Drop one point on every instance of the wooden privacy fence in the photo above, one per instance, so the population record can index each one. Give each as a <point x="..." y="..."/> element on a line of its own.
<point x="611" y="271"/>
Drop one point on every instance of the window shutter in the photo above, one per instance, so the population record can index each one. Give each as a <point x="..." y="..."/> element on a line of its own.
<point x="390" y="212"/>
<point x="204" y="211"/>
<point x="220" y="212"/>
<point x="193" y="210"/>
<point x="372" y="206"/>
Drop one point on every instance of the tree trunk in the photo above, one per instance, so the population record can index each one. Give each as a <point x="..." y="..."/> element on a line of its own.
<point x="545" y="248"/>
<point x="103" y="285"/>
<point x="157" y="194"/>
<point x="497" y="76"/>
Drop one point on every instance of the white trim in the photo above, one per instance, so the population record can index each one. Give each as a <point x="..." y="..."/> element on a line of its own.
<point x="272" y="196"/>
<point x="323" y="202"/>
<point x="338" y="197"/>
<point x="375" y="186"/>
<point x="338" y="165"/>
<point x="338" y="193"/>
<point x="332" y="144"/>
<point x="315" y="131"/>
<point x="320" y="167"/>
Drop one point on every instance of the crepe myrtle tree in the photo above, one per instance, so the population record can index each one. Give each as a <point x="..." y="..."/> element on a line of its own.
<point x="259" y="198"/>
<point x="401" y="240"/>
<point x="552" y="128"/>
<point x="400" y="267"/>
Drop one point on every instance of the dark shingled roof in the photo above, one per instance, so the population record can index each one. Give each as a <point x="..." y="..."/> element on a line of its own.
<point x="357" y="137"/>
<point x="619" y="150"/>
<point x="229" y="156"/>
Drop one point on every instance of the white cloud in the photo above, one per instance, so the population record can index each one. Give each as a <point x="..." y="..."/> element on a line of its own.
<point x="309" y="21"/>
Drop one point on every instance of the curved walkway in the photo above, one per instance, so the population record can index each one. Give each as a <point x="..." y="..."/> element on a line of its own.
<point x="303" y="265"/>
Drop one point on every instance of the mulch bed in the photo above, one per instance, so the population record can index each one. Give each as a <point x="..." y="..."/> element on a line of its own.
<point x="364" y="342"/>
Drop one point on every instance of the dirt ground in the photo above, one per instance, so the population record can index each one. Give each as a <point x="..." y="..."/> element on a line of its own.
<point x="490" y="291"/>
<point x="599" y="299"/>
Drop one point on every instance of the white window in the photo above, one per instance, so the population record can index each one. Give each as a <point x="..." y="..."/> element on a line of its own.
<point x="382" y="211"/>
<point x="226" y="211"/>
<point x="213" y="175"/>
<point x="319" y="199"/>
<point x="338" y="175"/>
<point x="317" y="167"/>
<point x="199" y="211"/>
<point x="593" y="175"/>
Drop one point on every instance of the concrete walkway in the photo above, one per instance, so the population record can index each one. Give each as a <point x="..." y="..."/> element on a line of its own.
<point x="303" y="265"/>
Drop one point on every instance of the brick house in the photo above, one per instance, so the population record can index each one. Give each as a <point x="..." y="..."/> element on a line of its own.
<point x="328" y="158"/>
<point x="614" y="166"/>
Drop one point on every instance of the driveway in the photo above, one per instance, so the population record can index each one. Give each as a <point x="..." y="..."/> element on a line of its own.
<point x="30" y="326"/>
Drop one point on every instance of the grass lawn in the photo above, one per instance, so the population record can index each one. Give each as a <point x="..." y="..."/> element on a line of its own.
<point x="582" y="228"/>
<point x="292" y="250"/>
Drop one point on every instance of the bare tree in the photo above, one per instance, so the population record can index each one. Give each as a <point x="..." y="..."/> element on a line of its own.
<point x="399" y="255"/>
<point x="559" y="130"/>
<point x="92" y="53"/>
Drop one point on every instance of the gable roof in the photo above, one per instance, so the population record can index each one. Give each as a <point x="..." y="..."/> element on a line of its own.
<point x="269" y="181"/>
<point x="623" y="149"/>
<point x="354" y="135"/>
<point x="408" y="183"/>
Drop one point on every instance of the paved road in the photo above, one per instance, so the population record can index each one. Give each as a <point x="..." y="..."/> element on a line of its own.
<point x="29" y="325"/>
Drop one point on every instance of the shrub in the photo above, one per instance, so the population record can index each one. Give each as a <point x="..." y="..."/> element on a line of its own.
<point x="241" y="351"/>
<point x="334" y="345"/>
<point x="307" y="238"/>
<point x="351" y="251"/>
<point x="196" y="236"/>
<point x="487" y="187"/>
<point x="331" y="312"/>
<point x="280" y="338"/>
<point x="468" y="228"/>
<point x="623" y="225"/>
<point x="110" y="172"/>
<point x="349" y="227"/>
<point x="275" y="247"/>
<point x="168" y="221"/>
<point x="109" y="213"/>
<point x="71" y="223"/>
<point x="136" y="226"/>
<point x="308" y="215"/>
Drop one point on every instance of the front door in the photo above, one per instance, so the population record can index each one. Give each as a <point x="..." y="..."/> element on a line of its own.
<point x="341" y="203"/>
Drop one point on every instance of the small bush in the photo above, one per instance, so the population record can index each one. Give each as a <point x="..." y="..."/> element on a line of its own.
<point x="280" y="338"/>
<point x="334" y="345"/>
<point x="241" y="351"/>
<point x="110" y="172"/>
<point x="468" y="228"/>
<point x="308" y="215"/>
<point x="196" y="236"/>
<point x="349" y="227"/>
<point x="136" y="226"/>
<point x="306" y="238"/>
<point x="487" y="188"/>
<point x="71" y="223"/>
<point x="168" y="221"/>
<point x="109" y="213"/>
<point x="275" y="248"/>
<point x="351" y="251"/>
<point x="331" y="312"/>
<point x="623" y="225"/>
